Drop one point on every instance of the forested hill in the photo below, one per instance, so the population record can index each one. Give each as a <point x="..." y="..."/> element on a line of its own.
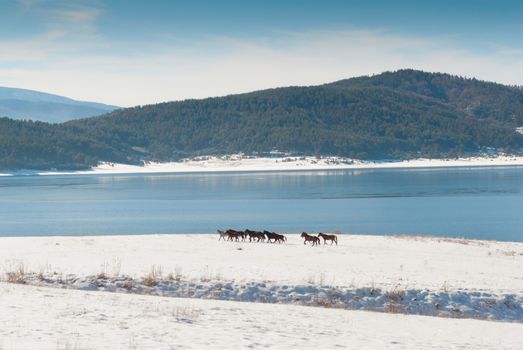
<point x="394" y="115"/>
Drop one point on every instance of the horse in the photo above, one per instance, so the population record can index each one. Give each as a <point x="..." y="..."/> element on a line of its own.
<point x="280" y="238"/>
<point x="274" y="236"/>
<point x="233" y="235"/>
<point x="332" y="238"/>
<point x="255" y="235"/>
<point x="308" y="238"/>
<point x="222" y="234"/>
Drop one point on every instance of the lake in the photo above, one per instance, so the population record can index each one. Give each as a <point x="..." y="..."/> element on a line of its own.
<point x="483" y="203"/>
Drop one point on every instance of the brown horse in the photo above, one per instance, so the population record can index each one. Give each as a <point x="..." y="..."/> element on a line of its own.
<point x="255" y="235"/>
<point x="332" y="238"/>
<point x="280" y="238"/>
<point x="274" y="236"/>
<point x="308" y="238"/>
<point x="233" y="235"/>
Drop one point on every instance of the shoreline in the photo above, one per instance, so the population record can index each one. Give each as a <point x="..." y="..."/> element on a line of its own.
<point x="399" y="236"/>
<point x="240" y="163"/>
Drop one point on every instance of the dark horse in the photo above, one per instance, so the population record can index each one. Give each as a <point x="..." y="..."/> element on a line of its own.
<point x="233" y="235"/>
<point x="274" y="236"/>
<point x="255" y="235"/>
<point x="308" y="238"/>
<point x="326" y="238"/>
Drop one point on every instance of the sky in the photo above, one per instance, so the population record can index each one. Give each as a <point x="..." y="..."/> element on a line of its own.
<point x="133" y="52"/>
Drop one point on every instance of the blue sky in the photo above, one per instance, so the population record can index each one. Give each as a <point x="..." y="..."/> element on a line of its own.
<point x="138" y="52"/>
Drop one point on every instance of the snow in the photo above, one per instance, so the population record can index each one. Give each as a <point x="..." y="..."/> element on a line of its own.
<point x="358" y="261"/>
<point x="49" y="318"/>
<point x="417" y="275"/>
<point x="240" y="162"/>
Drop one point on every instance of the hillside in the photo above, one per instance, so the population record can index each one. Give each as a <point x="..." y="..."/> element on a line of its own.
<point x="394" y="115"/>
<point x="35" y="105"/>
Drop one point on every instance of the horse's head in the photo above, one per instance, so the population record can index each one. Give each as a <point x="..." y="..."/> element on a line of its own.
<point x="303" y="234"/>
<point x="320" y="234"/>
<point x="220" y="232"/>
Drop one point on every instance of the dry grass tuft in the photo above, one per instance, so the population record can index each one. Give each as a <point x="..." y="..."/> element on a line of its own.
<point x="151" y="279"/>
<point x="396" y="296"/>
<point x="176" y="276"/>
<point x="17" y="274"/>
<point x="185" y="313"/>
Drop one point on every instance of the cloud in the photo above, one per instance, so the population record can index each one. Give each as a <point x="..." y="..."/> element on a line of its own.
<point x="140" y="73"/>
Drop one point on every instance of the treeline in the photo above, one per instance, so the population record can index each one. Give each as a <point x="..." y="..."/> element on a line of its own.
<point x="395" y="115"/>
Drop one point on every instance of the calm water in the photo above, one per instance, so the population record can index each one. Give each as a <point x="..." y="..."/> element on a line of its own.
<point x="476" y="203"/>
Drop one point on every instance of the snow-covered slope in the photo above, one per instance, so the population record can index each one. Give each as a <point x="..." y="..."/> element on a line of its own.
<point x="49" y="318"/>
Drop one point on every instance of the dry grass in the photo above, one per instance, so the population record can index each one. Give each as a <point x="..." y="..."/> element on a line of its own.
<point x="185" y="313"/>
<point x="72" y="346"/>
<point x="101" y="275"/>
<point x="396" y="296"/>
<point x="175" y="276"/>
<point x="318" y="279"/>
<point x="17" y="274"/>
<point x="208" y="276"/>
<point x="129" y="284"/>
<point x="151" y="279"/>
<point x="394" y="308"/>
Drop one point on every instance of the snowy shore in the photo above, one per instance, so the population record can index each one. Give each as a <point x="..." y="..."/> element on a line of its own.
<point x="240" y="162"/>
<point x="400" y="276"/>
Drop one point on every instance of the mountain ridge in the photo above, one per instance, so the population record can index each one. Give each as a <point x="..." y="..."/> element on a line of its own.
<point x="28" y="104"/>
<point x="393" y="115"/>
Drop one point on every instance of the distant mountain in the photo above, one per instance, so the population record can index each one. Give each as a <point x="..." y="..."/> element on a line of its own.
<point x="34" y="105"/>
<point x="394" y="115"/>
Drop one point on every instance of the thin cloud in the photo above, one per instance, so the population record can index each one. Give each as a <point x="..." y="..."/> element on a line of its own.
<point x="214" y="66"/>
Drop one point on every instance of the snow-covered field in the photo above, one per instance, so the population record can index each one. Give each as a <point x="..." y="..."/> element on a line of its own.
<point x="414" y="275"/>
<point x="239" y="162"/>
<point x="385" y="262"/>
<point x="58" y="296"/>
<point x="48" y="318"/>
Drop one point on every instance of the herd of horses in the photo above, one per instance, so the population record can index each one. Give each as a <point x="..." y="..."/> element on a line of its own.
<point x="273" y="237"/>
